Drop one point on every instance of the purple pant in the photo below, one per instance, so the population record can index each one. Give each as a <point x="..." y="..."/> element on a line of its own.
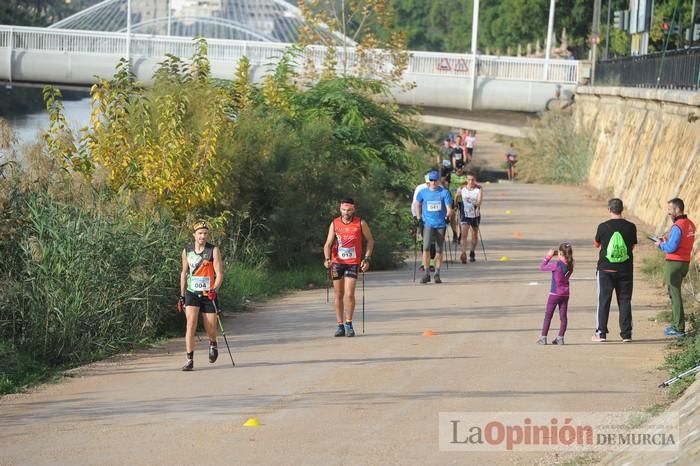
<point x="552" y="302"/>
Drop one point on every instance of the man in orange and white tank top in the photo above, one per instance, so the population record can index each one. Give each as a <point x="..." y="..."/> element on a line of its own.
<point x="344" y="260"/>
<point x="200" y="279"/>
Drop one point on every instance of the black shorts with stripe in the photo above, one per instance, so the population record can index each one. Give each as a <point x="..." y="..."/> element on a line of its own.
<point x="339" y="271"/>
<point x="199" y="300"/>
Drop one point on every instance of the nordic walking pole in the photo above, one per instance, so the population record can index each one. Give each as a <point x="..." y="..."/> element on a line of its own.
<point x="415" y="253"/>
<point x="482" y="242"/>
<point x="328" y="282"/>
<point x="363" y="303"/>
<point x="675" y="379"/>
<point x="221" y="326"/>
<point x="447" y="251"/>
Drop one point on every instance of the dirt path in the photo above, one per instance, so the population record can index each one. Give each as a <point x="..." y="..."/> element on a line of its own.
<point x="373" y="399"/>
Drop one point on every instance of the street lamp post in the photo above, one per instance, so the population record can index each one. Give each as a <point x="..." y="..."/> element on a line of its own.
<point x="595" y="34"/>
<point x="170" y="16"/>
<point x="128" y="32"/>
<point x="475" y="40"/>
<point x="550" y="32"/>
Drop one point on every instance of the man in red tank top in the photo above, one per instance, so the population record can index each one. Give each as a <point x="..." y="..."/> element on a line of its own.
<point x="344" y="260"/>
<point x="678" y="246"/>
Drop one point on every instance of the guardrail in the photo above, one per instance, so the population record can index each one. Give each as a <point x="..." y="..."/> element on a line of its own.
<point x="420" y="63"/>
<point x="676" y="69"/>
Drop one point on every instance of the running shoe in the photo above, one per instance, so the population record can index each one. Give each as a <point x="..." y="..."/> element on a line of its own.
<point x="672" y="332"/>
<point x="463" y="258"/>
<point x="627" y="340"/>
<point x="598" y="338"/>
<point x="472" y="256"/>
<point x="340" y="331"/>
<point x="213" y="353"/>
<point x="558" y="341"/>
<point x="349" y="331"/>
<point x="437" y="279"/>
<point x="189" y="365"/>
<point x="425" y="279"/>
<point x="542" y="340"/>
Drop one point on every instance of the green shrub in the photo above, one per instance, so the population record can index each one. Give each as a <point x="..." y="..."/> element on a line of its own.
<point x="555" y="152"/>
<point x="87" y="276"/>
<point x="243" y="283"/>
<point x="685" y="354"/>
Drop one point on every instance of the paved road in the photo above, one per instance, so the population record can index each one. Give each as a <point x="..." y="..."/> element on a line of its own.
<point x="373" y="399"/>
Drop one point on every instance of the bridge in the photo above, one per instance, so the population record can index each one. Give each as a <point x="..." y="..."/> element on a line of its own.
<point x="443" y="80"/>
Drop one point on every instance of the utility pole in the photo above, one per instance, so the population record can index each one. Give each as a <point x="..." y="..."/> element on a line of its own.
<point x="595" y="37"/>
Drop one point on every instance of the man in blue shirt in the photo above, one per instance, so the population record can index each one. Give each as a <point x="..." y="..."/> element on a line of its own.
<point x="434" y="208"/>
<point x="678" y="246"/>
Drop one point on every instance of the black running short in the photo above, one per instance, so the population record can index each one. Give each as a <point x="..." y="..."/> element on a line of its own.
<point x="471" y="221"/>
<point x="199" y="300"/>
<point x="339" y="271"/>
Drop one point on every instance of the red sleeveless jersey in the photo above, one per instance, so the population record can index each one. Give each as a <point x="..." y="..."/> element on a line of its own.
<point x="347" y="248"/>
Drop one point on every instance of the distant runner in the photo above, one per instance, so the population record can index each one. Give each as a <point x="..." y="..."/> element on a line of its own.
<point x="458" y="179"/>
<point x="471" y="145"/>
<point x="444" y="158"/>
<point x="511" y="160"/>
<point x="343" y="257"/>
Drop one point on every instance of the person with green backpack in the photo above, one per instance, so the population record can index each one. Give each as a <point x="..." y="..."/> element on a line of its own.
<point x="616" y="239"/>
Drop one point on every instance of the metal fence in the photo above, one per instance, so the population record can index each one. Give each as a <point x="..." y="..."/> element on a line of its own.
<point x="676" y="69"/>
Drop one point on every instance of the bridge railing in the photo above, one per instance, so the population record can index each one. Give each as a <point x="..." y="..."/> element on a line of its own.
<point x="675" y="69"/>
<point x="420" y="63"/>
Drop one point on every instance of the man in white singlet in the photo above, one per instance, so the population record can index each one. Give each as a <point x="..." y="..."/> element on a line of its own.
<point x="470" y="195"/>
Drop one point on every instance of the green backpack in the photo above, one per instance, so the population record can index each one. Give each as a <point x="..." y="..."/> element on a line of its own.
<point x="617" y="249"/>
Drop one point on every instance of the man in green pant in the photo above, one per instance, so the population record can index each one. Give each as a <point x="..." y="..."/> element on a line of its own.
<point x="678" y="246"/>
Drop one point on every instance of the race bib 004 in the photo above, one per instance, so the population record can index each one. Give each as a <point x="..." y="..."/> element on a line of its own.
<point x="200" y="283"/>
<point x="346" y="253"/>
<point x="434" y="206"/>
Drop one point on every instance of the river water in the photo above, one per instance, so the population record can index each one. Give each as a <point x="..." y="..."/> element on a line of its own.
<point x="28" y="128"/>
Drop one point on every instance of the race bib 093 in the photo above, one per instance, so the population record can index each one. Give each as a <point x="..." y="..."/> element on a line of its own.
<point x="346" y="253"/>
